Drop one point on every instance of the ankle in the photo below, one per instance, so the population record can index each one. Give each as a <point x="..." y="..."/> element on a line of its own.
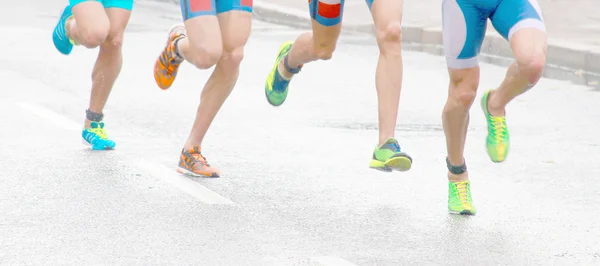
<point x="458" y="178"/>
<point x="457" y="172"/>
<point x="189" y="147"/>
<point x="176" y="51"/>
<point x="91" y="116"/>
<point x="283" y="71"/>
<point x="495" y="108"/>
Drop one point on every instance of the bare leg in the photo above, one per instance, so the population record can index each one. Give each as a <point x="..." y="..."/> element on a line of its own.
<point x="109" y="61"/>
<point x="89" y="25"/>
<point x="235" y="29"/>
<point x="387" y="15"/>
<point x="529" y="49"/>
<point x="461" y="94"/>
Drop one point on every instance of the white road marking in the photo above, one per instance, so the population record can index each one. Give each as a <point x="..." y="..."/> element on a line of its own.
<point x="50" y="116"/>
<point x="182" y="182"/>
<point x="332" y="261"/>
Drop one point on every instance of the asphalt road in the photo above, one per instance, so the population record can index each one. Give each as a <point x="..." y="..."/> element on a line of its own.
<point x="296" y="188"/>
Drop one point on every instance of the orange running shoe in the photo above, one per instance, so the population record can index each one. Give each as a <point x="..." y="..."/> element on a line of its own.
<point x="165" y="68"/>
<point x="192" y="163"/>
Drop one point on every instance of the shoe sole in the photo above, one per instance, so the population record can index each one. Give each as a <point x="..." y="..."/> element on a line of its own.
<point x="106" y="148"/>
<point x="465" y="212"/>
<point x="401" y="164"/>
<point x="184" y="171"/>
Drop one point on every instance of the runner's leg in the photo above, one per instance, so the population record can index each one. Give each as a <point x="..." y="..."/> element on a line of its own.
<point x="526" y="33"/>
<point x="110" y="59"/>
<point x="318" y="44"/>
<point x="464" y="25"/>
<point x="387" y="15"/>
<point x="235" y="20"/>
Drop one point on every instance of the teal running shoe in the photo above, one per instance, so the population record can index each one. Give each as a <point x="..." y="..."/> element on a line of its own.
<point x="97" y="137"/>
<point x="59" y="36"/>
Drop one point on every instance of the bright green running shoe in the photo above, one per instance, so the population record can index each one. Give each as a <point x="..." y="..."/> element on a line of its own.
<point x="459" y="198"/>
<point x="276" y="86"/>
<point x="498" y="139"/>
<point x="388" y="157"/>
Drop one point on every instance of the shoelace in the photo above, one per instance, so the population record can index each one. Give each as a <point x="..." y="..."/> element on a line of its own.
<point x="199" y="158"/>
<point x="499" y="128"/>
<point x="463" y="193"/>
<point x="100" y="132"/>
<point x="172" y="63"/>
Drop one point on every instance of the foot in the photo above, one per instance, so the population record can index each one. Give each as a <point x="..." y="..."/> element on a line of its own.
<point x="498" y="138"/>
<point x="459" y="198"/>
<point x="276" y="86"/>
<point x="389" y="156"/>
<point x="97" y="137"/>
<point x="167" y="64"/>
<point x="62" y="42"/>
<point x="191" y="162"/>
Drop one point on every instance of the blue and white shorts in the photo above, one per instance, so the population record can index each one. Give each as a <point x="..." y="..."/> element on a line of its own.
<point x="465" y="23"/>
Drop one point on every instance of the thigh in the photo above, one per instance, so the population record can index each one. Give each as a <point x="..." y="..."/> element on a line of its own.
<point x="235" y="28"/>
<point x="122" y="4"/>
<point x="201" y="24"/>
<point x="197" y="8"/>
<point x="119" y="18"/>
<point x="327" y="12"/>
<point x="90" y="15"/>
<point x="326" y="21"/>
<point x="513" y="15"/>
<point x="464" y="26"/>
<point x="385" y="11"/>
<point x="231" y="5"/>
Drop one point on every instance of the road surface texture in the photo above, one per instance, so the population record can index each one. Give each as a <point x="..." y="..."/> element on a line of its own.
<point x="296" y="189"/>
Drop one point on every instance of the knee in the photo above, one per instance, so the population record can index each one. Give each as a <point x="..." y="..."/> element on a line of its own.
<point x="463" y="90"/>
<point x="389" y="38"/>
<point x="233" y="58"/>
<point x="205" y="57"/>
<point x="323" y="50"/>
<point x="95" y="36"/>
<point x="533" y="65"/>
<point x="114" y="40"/>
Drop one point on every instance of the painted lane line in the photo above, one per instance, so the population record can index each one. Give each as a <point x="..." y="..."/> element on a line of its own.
<point x="182" y="182"/>
<point x="50" y="116"/>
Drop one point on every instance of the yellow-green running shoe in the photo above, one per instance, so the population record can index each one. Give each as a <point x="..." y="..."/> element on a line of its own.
<point x="276" y="86"/>
<point x="459" y="198"/>
<point x="498" y="138"/>
<point x="389" y="156"/>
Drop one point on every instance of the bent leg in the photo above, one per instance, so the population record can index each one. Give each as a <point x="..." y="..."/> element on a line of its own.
<point x="318" y="44"/>
<point x="89" y="25"/>
<point x="198" y="41"/>
<point x="202" y="45"/>
<point x="525" y="31"/>
<point x="321" y="42"/>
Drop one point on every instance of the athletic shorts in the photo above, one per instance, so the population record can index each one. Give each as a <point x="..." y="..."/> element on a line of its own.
<point x="329" y="12"/>
<point x="465" y="22"/>
<point x="124" y="4"/>
<point x="195" y="8"/>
